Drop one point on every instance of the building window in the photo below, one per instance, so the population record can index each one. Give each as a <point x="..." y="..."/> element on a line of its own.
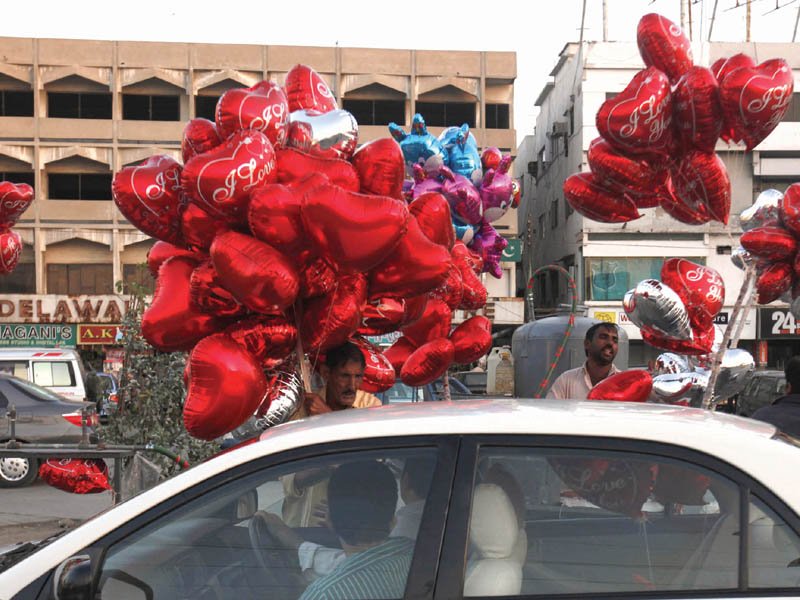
<point x="22" y="280"/>
<point x="542" y="158"/>
<point x="611" y="278"/>
<point x="761" y="184"/>
<point x="18" y="177"/>
<point x="571" y="117"/>
<point x="793" y="114"/>
<point x="78" y="105"/>
<point x="79" y="186"/>
<point x="446" y="114"/>
<point x="554" y="214"/>
<point x="205" y="107"/>
<point x="139" y="275"/>
<point x="377" y="112"/>
<point x="16" y="104"/>
<point x="541" y="227"/>
<point x="497" y="116"/>
<point x="137" y="107"/>
<point x="79" y="279"/>
<point x="568" y="210"/>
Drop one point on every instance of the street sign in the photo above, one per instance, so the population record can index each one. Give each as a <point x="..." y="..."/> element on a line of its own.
<point x="50" y="335"/>
<point x="513" y="252"/>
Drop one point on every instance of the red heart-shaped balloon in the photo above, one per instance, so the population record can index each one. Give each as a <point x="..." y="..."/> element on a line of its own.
<point x="172" y="323"/>
<point x="221" y="180"/>
<point x="452" y="290"/>
<point x="10" y="250"/>
<point x="355" y="231"/>
<point x="274" y="218"/>
<point x="472" y="339"/>
<point x="722" y="67"/>
<point x="473" y="292"/>
<point x="226" y="386"/>
<point x="381" y="168"/>
<point x="696" y="109"/>
<point x="663" y="45"/>
<point x="416" y="266"/>
<point x="329" y="321"/>
<point x="294" y="166"/>
<point x="257" y="275"/>
<point x="701" y="288"/>
<point x="638" y="120"/>
<point x="161" y="251"/>
<point x="150" y="196"/>
<point x="678" y="210"/>
<point x="789" y="209"/>
<point x="198" y="228"/>
<point x="434" y="323"/>
<point x="305" y="89"/>
<point x="490" y="158"/>
<point x="771" y="243"/>
<point x="263" y="107"/>
<point x="634" y="177"/>
<point x="414" y="308"/>
<point x="628" y="386"/>
<point x="427" y="363"/>
<point x="382" y="316"/>
<point x="773" y="281"/>
<point x="701" y="180"/>
<point x="199" y="136"/>
<point x="271" y="339"/>
<point x="379" y="373"/>
<point x="397" y="354"/>
<point x="317" y="277"/>
<point x="700" y="343"/>
<point x="15" y="198"/>
<point x="755" y="99"/>
<point x="432" y="212"/>
<point x="209" y="296"/>
<point x="596" y="202"/>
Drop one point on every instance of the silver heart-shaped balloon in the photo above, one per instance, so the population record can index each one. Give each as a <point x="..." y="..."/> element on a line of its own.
<point x="332" y="134"/>
<point x="669" y="362"/>
<point x="763" y="212"/>
<point x="676" y="387"/>
<point x="735" y="371"/>
<point x="741" y="258"/>
<point x="657" y="308"/>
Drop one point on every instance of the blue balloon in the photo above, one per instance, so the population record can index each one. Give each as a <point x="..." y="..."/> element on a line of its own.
<point x="462" y="152"/>
<point x="419" y="147"/>
<point x="464" y="233"/>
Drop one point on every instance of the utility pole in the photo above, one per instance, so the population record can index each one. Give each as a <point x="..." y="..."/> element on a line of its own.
<point x="747" y="20"/>
<point x="605" y="20"/>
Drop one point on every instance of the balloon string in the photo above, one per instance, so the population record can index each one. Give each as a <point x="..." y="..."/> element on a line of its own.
<point x="570" y="323"/>
<point x="327" y="318"/>
<point x="298" y="349"/>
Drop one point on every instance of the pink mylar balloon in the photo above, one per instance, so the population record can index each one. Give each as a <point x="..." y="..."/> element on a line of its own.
<point x="305" y="89"/>
<point x="161" y="251"/>
<point x="172" y="323"/>
<point x="464" y="198"/>
<point x="10" y="250"/>
<point x="149" y="196"/>
<point x="257" y="275"/>
<point x="663" y="45"/>
<point x="755" y="99"/>
<point x="274" y="218"/>
<point x="628" y="386"/>
<point x="638" y="120"/>
<point x="382" y="316"/>
<point x="199" y="228"/>
<point x="15" y="198"/>
<point x="294" y="165"/>
<point x="789" y="209"/>
<point x="432" y="212"/>
<point x="701" y="180"/>
<point x="770" y="243"/>
<point x="697" y="111"/>
<point x="773" y="281"/>
<point x="596" y="202"/>
<point x="631" y="176"/>
<point x="199" y="136"/>
<point x="329" y="321"/>
<point x="471" y="339"/>
<point x="397" y="354"/>
<point x="355" y="231"/>
<point x="381" y="168"/>
<point x="209" y="296"/>
<point x="434" y="323"/>
<point x="269" y="338"/>
<point x="379" y="373"/>
<point x="226" y="386"/>
<point x="317" y="278"/>
<point x="263" y="108"/>
<point x="427" y="363"/>
<point x="701" y="288"/>
<point x="451" y="291"/>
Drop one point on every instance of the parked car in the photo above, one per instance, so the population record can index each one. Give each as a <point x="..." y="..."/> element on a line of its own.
<point x="58" y="369"/>
<point x="763" y="389"/>
<point x="400" y="392"/>
<point x="474" y="380"/>
<point x="519" y="498"/>
<point x="43" y="417"/>
<point x="109" y="395"/>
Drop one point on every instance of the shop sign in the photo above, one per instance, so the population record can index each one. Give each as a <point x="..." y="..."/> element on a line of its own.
<point x="99" y="334"/>
<point x="607" y="316"/>
<point x="387" y="339"/>
<point x="776" y="323"/>
<point x="51" y="308"/>
<point x="54" y="335"/>
<point x="721" y="318"/>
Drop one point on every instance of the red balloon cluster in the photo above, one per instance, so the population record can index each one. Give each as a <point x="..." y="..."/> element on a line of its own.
<point x="658" y="135"/>
<point x="15" y="198"/>
<point x="268" y="239"/>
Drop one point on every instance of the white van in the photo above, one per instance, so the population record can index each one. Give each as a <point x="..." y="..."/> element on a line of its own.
<point x="59" y="369"/>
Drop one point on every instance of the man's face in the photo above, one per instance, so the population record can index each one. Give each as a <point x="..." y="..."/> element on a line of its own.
<point x="602" y="349"/>
<point x="343" y="383"/>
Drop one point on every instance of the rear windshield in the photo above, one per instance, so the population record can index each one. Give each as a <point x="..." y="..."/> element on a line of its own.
<point x="31" y="389"/>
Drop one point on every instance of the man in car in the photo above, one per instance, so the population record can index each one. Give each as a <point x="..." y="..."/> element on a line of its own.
<point x="601" y="345"/>
<point x="784" y="412"/>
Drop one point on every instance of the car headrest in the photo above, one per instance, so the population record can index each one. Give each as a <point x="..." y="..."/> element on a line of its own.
<point x="493" y="528"/>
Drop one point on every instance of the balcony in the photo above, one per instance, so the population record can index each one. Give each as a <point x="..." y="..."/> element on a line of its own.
<point x="151" y="131"/>
<point x="75" y="129"/>
<point x="16" y="128"/>
<point x="76" y="211"/>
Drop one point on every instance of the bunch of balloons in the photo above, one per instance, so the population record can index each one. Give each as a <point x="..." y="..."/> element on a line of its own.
<point x="278" y="236"/>
<point x="477" y="186"/>
<point x="15" y="198"/>
<point x="658" y="135"/>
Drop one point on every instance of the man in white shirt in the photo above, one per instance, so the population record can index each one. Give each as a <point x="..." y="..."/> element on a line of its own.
<point x="601" y="345"/>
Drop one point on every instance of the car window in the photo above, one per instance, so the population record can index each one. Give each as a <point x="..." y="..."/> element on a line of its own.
<point x="546" y="521"/>
<point x="15" y="368"/>
<point x="773" y="549"/>
<point x="53" y="373"/>
<point x="34" y="391"/>
<point x="340" y="526"/>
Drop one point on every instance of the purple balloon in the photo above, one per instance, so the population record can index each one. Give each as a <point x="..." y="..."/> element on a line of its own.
<point x="463" y="197"/>
<point x="497" y="191"/>
<point x="490" y="245"/>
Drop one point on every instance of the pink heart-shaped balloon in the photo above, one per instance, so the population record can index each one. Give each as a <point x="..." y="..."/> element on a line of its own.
<point x="381" y="168"/>
<point x="427" y="363"/>
<point x="701" y="288"/>
<point x="10" y="250"/>
<point x="199" y="136"/>
<point x="209" y="296"/>
<point x="382" y="316"/>
<point x="697" y="112"/>
<point x="161" y="251"/>
<point x="226" y="386"/>
<point x="172" y="323"/>
<point x="15" y="198"/>
<point x="329" y="321"/>
<point x="271" y="339"/>
<point x="294" y="166"/>
<point x="355" y="231"/>
<point x="755" y="99"/>
<point x="306" y="89"/>
<point x="628" y="386"/>
<point x="150" y="196"/>
<point x="332" y="134"/>
<point x="773" y="281"/>
<point x="198" y="228"/>
<point x="263" y="108"/>
<point x="432" y="212"/>
<point x="638" y="120"/>
<point x="257" y="275"/>
<point x="379" y="374"/>
<point x="789" y="209"/>
<point x="472" y="339"/>
<point x="434" y="323"/>
<point x="634" y="177"/>
<point x="770" y="243"/>
<point x="663" y="45"/>
<point x="274" y="218"/>
<point x="701" y="180"/>
<point x="221" y="180"/>
<point x="596" y="202"/>
<point x="398" y="353"/>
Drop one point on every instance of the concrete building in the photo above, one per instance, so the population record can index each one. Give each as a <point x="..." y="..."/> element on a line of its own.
<point x="606" y="260"/>
<point x="74" y="112"/>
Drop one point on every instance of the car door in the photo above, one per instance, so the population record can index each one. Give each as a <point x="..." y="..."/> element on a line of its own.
<point x="218" y="540"/>
<point x="537" y="517"/>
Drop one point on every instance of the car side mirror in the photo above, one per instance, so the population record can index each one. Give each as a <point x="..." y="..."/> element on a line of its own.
<point x="73" y="578"/>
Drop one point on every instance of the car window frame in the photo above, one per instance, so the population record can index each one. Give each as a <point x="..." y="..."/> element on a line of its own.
<point x="425" y="563"/>
<point x="450" y="583"/>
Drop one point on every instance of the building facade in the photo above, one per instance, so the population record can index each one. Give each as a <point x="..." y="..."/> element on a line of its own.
<point x="73" y="112"/>
<point x="606" y="260"/>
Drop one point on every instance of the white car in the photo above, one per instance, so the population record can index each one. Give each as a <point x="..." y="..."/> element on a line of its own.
<point x="530" y="498"/>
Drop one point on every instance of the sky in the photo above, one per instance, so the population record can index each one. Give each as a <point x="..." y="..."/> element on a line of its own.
<point x="535" y="29"/>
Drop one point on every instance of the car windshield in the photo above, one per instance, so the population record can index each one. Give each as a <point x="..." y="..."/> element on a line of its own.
<point x="11" y="556"/>
<point x="38" y="392"/>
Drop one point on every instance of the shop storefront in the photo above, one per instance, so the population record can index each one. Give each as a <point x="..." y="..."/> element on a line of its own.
<point x="778" y="337"/>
